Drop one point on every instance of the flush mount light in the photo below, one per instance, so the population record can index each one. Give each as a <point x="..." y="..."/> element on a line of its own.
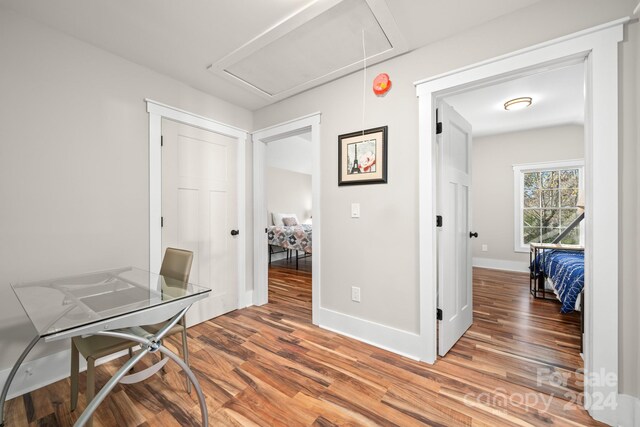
<point x="518" y="103"/>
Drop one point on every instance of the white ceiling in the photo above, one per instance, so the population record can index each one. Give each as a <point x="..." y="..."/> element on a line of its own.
<point x="558" y="98"/>
<point x="293" y="153"/>
<point x="182" y="38"/>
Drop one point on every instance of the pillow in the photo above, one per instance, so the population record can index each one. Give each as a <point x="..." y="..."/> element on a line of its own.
<point x="277" y="218"/>
<point x="289" y="221"/>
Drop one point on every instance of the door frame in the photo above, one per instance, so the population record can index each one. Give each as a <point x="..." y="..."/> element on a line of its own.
<point x="158" y="111"/>
<point x="598" y="48"/>
<point x="260" y="140"/>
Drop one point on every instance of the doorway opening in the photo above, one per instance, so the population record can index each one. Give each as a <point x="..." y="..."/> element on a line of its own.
<point x="511" y="191"/>
<point x="598" y="48"/>
<point x="286" y="212"/>
<point x="288" y="198"/>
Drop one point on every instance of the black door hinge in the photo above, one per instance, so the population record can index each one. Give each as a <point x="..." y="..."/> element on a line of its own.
<point x="438" y="220"/>
<point x="161" y="140"/>
<point x="438" y="124"/>
<point x="161" y="221"/>
<point x="439" y="314"/>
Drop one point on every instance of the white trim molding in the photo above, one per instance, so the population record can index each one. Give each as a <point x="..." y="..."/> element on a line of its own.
<point x="385" y="337"/>
<point x="598" y="48"/>
<point x="501" y="264"/>
<point x="157" y="111"/>
<point x="518" y="191"/>
<point x="260" y="138"/>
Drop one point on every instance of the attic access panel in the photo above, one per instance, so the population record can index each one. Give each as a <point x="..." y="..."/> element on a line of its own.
<point x="319" y="44"/>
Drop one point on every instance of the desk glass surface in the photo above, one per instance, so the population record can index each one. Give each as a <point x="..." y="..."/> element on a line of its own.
<point x="62" y="304"/>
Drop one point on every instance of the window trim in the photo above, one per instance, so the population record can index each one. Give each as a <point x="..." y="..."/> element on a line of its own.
<point x="518" y="190"/>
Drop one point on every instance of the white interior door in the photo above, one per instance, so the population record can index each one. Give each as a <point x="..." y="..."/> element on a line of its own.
<point x="199" y="210"/>
<point x="454" y="248"/>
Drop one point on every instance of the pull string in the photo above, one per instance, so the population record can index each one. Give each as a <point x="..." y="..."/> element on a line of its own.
<point x="364" y="80"/>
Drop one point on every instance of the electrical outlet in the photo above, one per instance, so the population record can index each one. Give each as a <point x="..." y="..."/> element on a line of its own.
<point x="485" y="248"/>
<point x="355" y="294"/>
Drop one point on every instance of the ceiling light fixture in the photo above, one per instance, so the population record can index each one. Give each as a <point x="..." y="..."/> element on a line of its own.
<point x="518" y="103"/>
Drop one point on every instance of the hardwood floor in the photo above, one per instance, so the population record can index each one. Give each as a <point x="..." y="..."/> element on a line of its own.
<point x="270" y="366"/>
<point x="304" y="263"/>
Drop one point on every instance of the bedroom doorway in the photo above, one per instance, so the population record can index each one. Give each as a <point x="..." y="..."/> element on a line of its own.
<point x="286" y="213"/>
<point x="521" y="174"/>
<point x="527" y="171"/>
<point x="598" y="49"/>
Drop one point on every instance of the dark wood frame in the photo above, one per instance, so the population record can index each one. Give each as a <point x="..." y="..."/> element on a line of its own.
<point x="382" y="162"/>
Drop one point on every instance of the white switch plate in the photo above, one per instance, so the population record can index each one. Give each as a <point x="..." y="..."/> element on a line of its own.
<point x="485" y="248"/>
<point x="355" y="294"/>
<point x="355" y="210"/>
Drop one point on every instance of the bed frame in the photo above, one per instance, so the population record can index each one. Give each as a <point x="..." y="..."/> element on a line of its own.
<point x="537" y="278"/>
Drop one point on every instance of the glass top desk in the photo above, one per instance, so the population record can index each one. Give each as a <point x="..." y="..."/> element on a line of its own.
<point x="112" y="303"/>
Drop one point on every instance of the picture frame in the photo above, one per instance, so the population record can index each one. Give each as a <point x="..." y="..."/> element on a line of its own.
<point x="362" y="157"/>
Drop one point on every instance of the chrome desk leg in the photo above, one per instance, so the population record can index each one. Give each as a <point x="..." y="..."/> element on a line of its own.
<point x="151" y="344"/>
<point x="97" y="400"/>
<point x="12" y="374"/>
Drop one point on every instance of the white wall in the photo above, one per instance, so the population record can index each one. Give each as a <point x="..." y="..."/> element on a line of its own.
<point x="288" y="192"/>
<point x="380" y="253"/>
<point x="74" y="161"/>
<point x="293" y="153"/>
<point x="492" y="169"/>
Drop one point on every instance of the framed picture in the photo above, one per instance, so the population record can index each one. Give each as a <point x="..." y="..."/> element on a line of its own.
<point x="362" y="157"/>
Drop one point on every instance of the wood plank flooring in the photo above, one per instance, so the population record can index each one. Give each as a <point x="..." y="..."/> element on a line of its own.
<point x="304" y="263"/>
<point x="269" y="366"/>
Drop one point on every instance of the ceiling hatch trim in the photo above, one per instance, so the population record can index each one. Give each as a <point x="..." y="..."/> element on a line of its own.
<point x="315" y="45"/>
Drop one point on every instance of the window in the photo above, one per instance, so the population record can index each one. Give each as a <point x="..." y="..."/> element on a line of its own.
<point x="546" y="202"/>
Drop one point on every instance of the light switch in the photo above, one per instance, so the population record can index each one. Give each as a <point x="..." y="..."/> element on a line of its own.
<point x="355" y="210"/>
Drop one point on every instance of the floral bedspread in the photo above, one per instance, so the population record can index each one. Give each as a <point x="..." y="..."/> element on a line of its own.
<point x="297" y="238"/>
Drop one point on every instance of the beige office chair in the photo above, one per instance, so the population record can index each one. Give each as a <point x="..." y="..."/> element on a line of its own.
<point x="176" y="265"/>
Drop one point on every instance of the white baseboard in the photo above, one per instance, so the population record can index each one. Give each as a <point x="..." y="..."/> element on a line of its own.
<point x="628" y="411"/>
<point x="500" y="264"/>
<point x="46" y="370"/>
<point x="395" y="340"/>
<point x="278" y="256"/>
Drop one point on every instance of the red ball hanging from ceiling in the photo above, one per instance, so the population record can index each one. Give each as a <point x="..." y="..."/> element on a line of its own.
<point x="381" y="84"/>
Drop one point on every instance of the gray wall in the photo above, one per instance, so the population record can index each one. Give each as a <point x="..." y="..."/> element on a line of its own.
<point x="74" y="161"/>
<point x="492" y="169"/>
<point x="288" y="192"/>
<point x="379" y="252"/>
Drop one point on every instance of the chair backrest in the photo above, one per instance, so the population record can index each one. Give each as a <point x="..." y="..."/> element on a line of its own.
<point x="176" y="264"/>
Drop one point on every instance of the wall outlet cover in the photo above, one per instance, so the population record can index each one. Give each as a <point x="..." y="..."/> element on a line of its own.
<point x="355" y="294"/>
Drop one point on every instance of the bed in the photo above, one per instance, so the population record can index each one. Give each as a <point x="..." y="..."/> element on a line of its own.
<point x="564" y="271"/>
<point x="296" y="237"/>
<point x="289" y="235"/>
<point x="557" y="271"/>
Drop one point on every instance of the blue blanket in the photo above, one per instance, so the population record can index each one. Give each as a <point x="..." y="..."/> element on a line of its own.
<point x="566" y="270"/>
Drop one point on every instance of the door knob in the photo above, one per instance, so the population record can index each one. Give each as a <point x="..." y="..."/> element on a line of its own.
<point x="235" y="232"/>
<point x="473" y="234"/>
